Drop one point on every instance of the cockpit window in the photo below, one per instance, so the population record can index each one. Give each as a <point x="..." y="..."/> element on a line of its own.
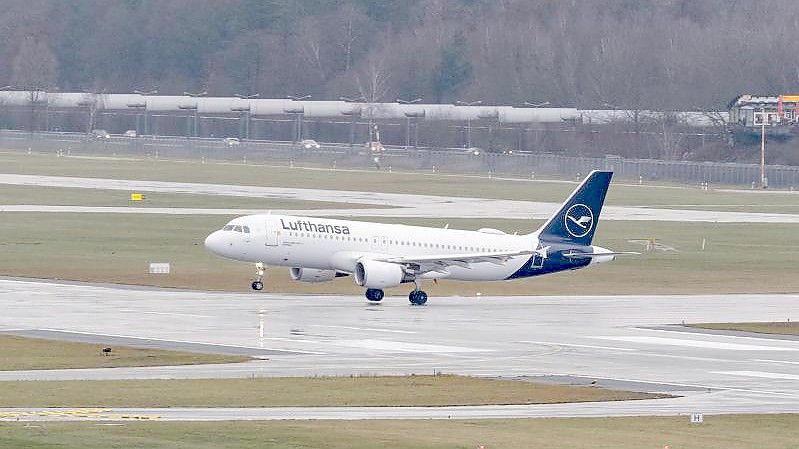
<point x="246" y="229"/>
<point x="237" y="228"/>
<point x="228" y="228"/>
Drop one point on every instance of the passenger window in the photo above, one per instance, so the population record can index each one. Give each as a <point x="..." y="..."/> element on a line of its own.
<point x="228" y="228"/>
<point x="237" y="228"/>
<point x="246" y="229"/>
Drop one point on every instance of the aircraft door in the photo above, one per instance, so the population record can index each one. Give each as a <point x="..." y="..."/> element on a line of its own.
<point x="538" y="258"/>
<point x="273" y="233"/>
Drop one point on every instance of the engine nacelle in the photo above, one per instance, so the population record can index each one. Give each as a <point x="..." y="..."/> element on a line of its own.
<point x="375" y="274"/>
<point x="312" y="274"/>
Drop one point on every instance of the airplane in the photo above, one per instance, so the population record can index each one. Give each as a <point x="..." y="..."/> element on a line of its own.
<point x="381" y="256"/>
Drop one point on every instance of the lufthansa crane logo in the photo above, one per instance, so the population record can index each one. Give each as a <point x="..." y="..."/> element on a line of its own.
<point x="579" y="220"/>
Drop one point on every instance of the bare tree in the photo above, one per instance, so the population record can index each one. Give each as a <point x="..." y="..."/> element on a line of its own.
<point x="34" y="70"/>
<point x="670" y="126"/>
<point x="372" y="80"/>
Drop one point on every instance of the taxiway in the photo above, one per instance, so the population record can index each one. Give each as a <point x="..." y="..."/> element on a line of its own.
<point x="405" y="205"/>
<point x="619" y="341"/>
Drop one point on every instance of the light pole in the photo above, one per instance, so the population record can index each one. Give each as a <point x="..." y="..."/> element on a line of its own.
<point x="469" y="119"/>
<point x="298" y="113"/>
<point x="354" y="114"/>
<point x="408" y="116"/>
<point x="91" y="109"/>
<point x="244" y="115"/>
<point x="142" y="107"/>
<point x="525" y="129"/>
<point x="763" y="182"/>
<point x="6" y="88"/>
<point x="196" y="110"/>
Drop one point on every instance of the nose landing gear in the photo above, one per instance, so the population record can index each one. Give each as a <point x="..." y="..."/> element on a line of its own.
<point x="258" y="283"/>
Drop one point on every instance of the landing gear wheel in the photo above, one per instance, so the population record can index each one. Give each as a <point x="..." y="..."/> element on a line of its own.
<point x="417" y="297"/>
<point x="258" y="284"/>
<point x="374" y="294"/>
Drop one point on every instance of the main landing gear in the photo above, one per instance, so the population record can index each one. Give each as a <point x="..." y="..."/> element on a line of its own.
<point x="417" y="297"/>
<point x="258" y="283"/>
<point x="374" y="294"/>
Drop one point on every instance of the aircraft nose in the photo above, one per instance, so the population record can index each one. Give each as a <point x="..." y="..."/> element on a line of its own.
<point x="214" y="242"/>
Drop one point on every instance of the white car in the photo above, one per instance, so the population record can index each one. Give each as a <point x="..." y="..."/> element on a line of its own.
<point x="310" y="144"/>
<point x="100" y="134"/>
<point x="232" y="142"/>
<point x="473" y="151"/>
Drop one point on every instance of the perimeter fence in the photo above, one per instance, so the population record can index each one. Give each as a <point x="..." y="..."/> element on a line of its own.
<point x="397" y="158"/>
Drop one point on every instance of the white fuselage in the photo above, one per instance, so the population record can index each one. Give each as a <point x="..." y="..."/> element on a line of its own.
<point x="326" y="244"/>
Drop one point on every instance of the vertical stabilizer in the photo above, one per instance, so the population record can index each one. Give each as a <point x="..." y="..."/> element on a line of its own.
<point x="576" y="220"/>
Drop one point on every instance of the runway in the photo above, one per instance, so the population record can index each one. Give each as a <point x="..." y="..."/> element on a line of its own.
<point x="621" y="342"/>
<point x="405" y="205"/>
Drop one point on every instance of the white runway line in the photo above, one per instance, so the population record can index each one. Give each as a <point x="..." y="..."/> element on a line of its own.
<point x="368" y="329"/>
<point x="760" y="374"/>
<point x="570" y="345"/>
<point x="399" y="346"/>
<point x="167" y="340"/>
<point x="696" y="343"/>
<point x="684" y="357"/>
<point x="188" y="315"/>
<point x="776" y="361"/>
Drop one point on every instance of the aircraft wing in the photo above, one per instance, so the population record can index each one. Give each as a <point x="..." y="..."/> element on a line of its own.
<point x="440" y="263"/>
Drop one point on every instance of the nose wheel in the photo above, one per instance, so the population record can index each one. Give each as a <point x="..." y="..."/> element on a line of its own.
<point x="258" y="283"/>
<point x="374" y="294"/>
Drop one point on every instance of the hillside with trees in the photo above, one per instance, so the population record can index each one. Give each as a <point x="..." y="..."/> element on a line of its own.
<point x="654" y="54"/>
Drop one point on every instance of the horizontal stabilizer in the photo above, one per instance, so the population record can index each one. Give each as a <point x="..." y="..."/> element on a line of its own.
<point x="579" y="255"/>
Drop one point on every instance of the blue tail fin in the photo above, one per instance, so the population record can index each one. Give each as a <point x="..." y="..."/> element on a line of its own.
<point x="575" y="221"/>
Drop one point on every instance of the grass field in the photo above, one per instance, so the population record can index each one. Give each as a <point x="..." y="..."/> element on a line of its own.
<point x="20" y="353"/>
<point x="420" y="183"/>
<point x="717" y="432"/>
<point x="439" y="390"/>
<point x="745" y="258"/>
<point x="113" y="248"/>
<point x="781" y="328"/>
<point x="65" y="196"/>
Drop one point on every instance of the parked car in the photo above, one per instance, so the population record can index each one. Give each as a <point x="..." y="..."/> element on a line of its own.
<point x="232" y="142"/>
<point x="130" y="133"/>
<point x="100" y="134"/>
<point x="310" y="144"/>
<point x="473" y="151"/>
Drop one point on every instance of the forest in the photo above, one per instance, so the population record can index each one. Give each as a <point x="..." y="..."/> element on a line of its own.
<point x="632" y="54"/>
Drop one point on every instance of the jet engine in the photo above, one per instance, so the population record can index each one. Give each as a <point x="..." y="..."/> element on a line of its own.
<point x="379" y="275"/>
<point x="312" y="274"/>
